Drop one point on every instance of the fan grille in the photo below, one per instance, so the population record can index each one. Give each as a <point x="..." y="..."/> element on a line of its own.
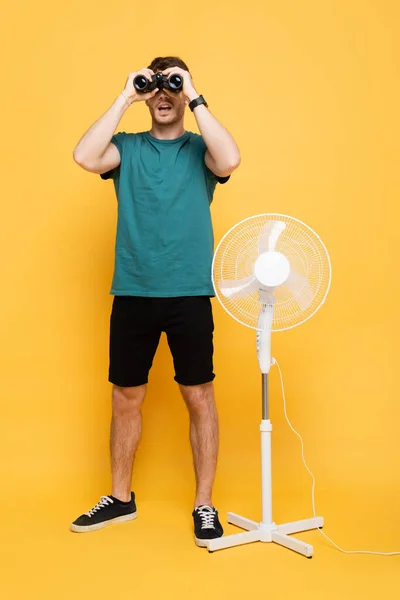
<point x="237" y="252"/>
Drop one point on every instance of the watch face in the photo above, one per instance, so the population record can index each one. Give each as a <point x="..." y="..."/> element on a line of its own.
<point x="197" y="101"/>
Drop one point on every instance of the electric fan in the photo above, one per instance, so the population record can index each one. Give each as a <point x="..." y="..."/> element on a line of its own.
<point x="270" y="273"/>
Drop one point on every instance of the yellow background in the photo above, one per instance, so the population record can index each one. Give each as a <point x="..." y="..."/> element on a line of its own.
<point x="310" y="91"/>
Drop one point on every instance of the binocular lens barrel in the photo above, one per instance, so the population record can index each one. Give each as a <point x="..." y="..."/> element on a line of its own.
<point x="175" y="81"/>
<point x="140" y="82"/>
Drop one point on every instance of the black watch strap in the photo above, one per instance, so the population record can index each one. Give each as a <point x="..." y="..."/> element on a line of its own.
<point x="196" y="102"/>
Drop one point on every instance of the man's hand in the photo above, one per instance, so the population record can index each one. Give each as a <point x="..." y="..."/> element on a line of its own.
<point x="130" y="91"/>
<point x="188" y="90"/>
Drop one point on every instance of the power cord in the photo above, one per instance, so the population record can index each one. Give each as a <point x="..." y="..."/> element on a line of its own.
<point x="274" y="361"/>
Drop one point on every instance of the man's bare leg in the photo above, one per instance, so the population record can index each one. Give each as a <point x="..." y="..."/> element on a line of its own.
<point x="203" y="437"/>
<point x="126" y="428"/>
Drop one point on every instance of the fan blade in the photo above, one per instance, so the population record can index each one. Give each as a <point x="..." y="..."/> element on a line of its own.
<point x="269" y="236"/>
<point x="239" y="287"/>
<point x="301" y="289"/>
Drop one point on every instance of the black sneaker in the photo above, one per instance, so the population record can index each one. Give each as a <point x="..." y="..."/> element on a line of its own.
<point x="109" y="510"/>
<point x="206" y="525"/>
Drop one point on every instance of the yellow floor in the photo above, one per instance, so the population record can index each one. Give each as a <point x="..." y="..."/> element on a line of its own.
<point x="155" y="557"/>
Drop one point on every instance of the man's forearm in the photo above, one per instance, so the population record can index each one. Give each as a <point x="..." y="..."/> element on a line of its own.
<point x="220" y="144"/>
<point x="95" y="141"/>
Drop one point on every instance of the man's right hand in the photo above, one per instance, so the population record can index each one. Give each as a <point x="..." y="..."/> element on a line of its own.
<point x="131" y="93"/>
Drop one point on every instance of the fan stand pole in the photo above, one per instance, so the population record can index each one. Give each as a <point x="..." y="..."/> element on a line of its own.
<point x="267" y="530"/>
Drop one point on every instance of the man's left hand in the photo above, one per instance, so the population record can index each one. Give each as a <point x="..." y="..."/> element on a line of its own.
<point x="188" y="90"/>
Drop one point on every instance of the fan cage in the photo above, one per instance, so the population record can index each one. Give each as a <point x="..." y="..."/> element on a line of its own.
<point x="237" y="252"/>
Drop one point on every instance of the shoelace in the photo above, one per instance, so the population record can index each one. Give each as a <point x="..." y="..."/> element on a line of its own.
<point x="207" y="516"/>
<point x="104" y="501"/>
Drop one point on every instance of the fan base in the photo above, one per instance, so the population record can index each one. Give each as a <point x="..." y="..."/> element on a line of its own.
<point x="260" y="532"/>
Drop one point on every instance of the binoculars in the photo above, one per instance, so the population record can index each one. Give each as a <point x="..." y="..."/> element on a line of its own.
<point x="174" y="83"/>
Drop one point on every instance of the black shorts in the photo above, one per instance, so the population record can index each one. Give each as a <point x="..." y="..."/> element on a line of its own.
<point x="136" y="325"/>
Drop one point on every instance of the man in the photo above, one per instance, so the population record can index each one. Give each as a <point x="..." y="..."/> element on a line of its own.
<point x="164" y="181"/>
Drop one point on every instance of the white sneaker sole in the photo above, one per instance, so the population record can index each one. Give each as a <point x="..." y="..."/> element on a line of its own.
<point x="86" y="528"/>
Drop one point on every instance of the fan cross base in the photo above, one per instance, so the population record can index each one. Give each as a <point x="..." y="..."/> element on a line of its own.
<point x="259" y="532"/>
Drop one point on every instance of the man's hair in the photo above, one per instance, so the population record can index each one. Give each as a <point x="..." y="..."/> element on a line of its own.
<point x="165" y="62"/>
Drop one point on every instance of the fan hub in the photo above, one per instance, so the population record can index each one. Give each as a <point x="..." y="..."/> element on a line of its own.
<point x="271" y="269"/>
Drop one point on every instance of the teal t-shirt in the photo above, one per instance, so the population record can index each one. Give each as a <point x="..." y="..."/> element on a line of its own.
<point x="164" y="240"/>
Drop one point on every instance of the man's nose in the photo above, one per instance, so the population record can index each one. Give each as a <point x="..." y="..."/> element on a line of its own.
<point x="162" y="94"/>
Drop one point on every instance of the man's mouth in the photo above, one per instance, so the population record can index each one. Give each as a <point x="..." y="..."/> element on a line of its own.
<point x="164" y="108"/>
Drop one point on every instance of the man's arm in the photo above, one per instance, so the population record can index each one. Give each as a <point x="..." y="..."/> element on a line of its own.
<point x="94" y="152"/>
<point x="222" y="156"/>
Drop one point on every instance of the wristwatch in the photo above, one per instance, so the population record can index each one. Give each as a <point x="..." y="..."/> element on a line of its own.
<point x="196" y="102"/>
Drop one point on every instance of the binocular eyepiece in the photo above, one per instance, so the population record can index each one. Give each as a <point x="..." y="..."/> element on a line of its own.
<point x="174" y="83"/>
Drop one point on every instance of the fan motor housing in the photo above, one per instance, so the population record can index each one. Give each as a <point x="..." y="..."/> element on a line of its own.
<point x="271" y="269"/>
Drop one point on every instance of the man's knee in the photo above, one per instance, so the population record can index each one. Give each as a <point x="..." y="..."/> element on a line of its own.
<point x="198" y="397"/>
<point x="127" y="399"/>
